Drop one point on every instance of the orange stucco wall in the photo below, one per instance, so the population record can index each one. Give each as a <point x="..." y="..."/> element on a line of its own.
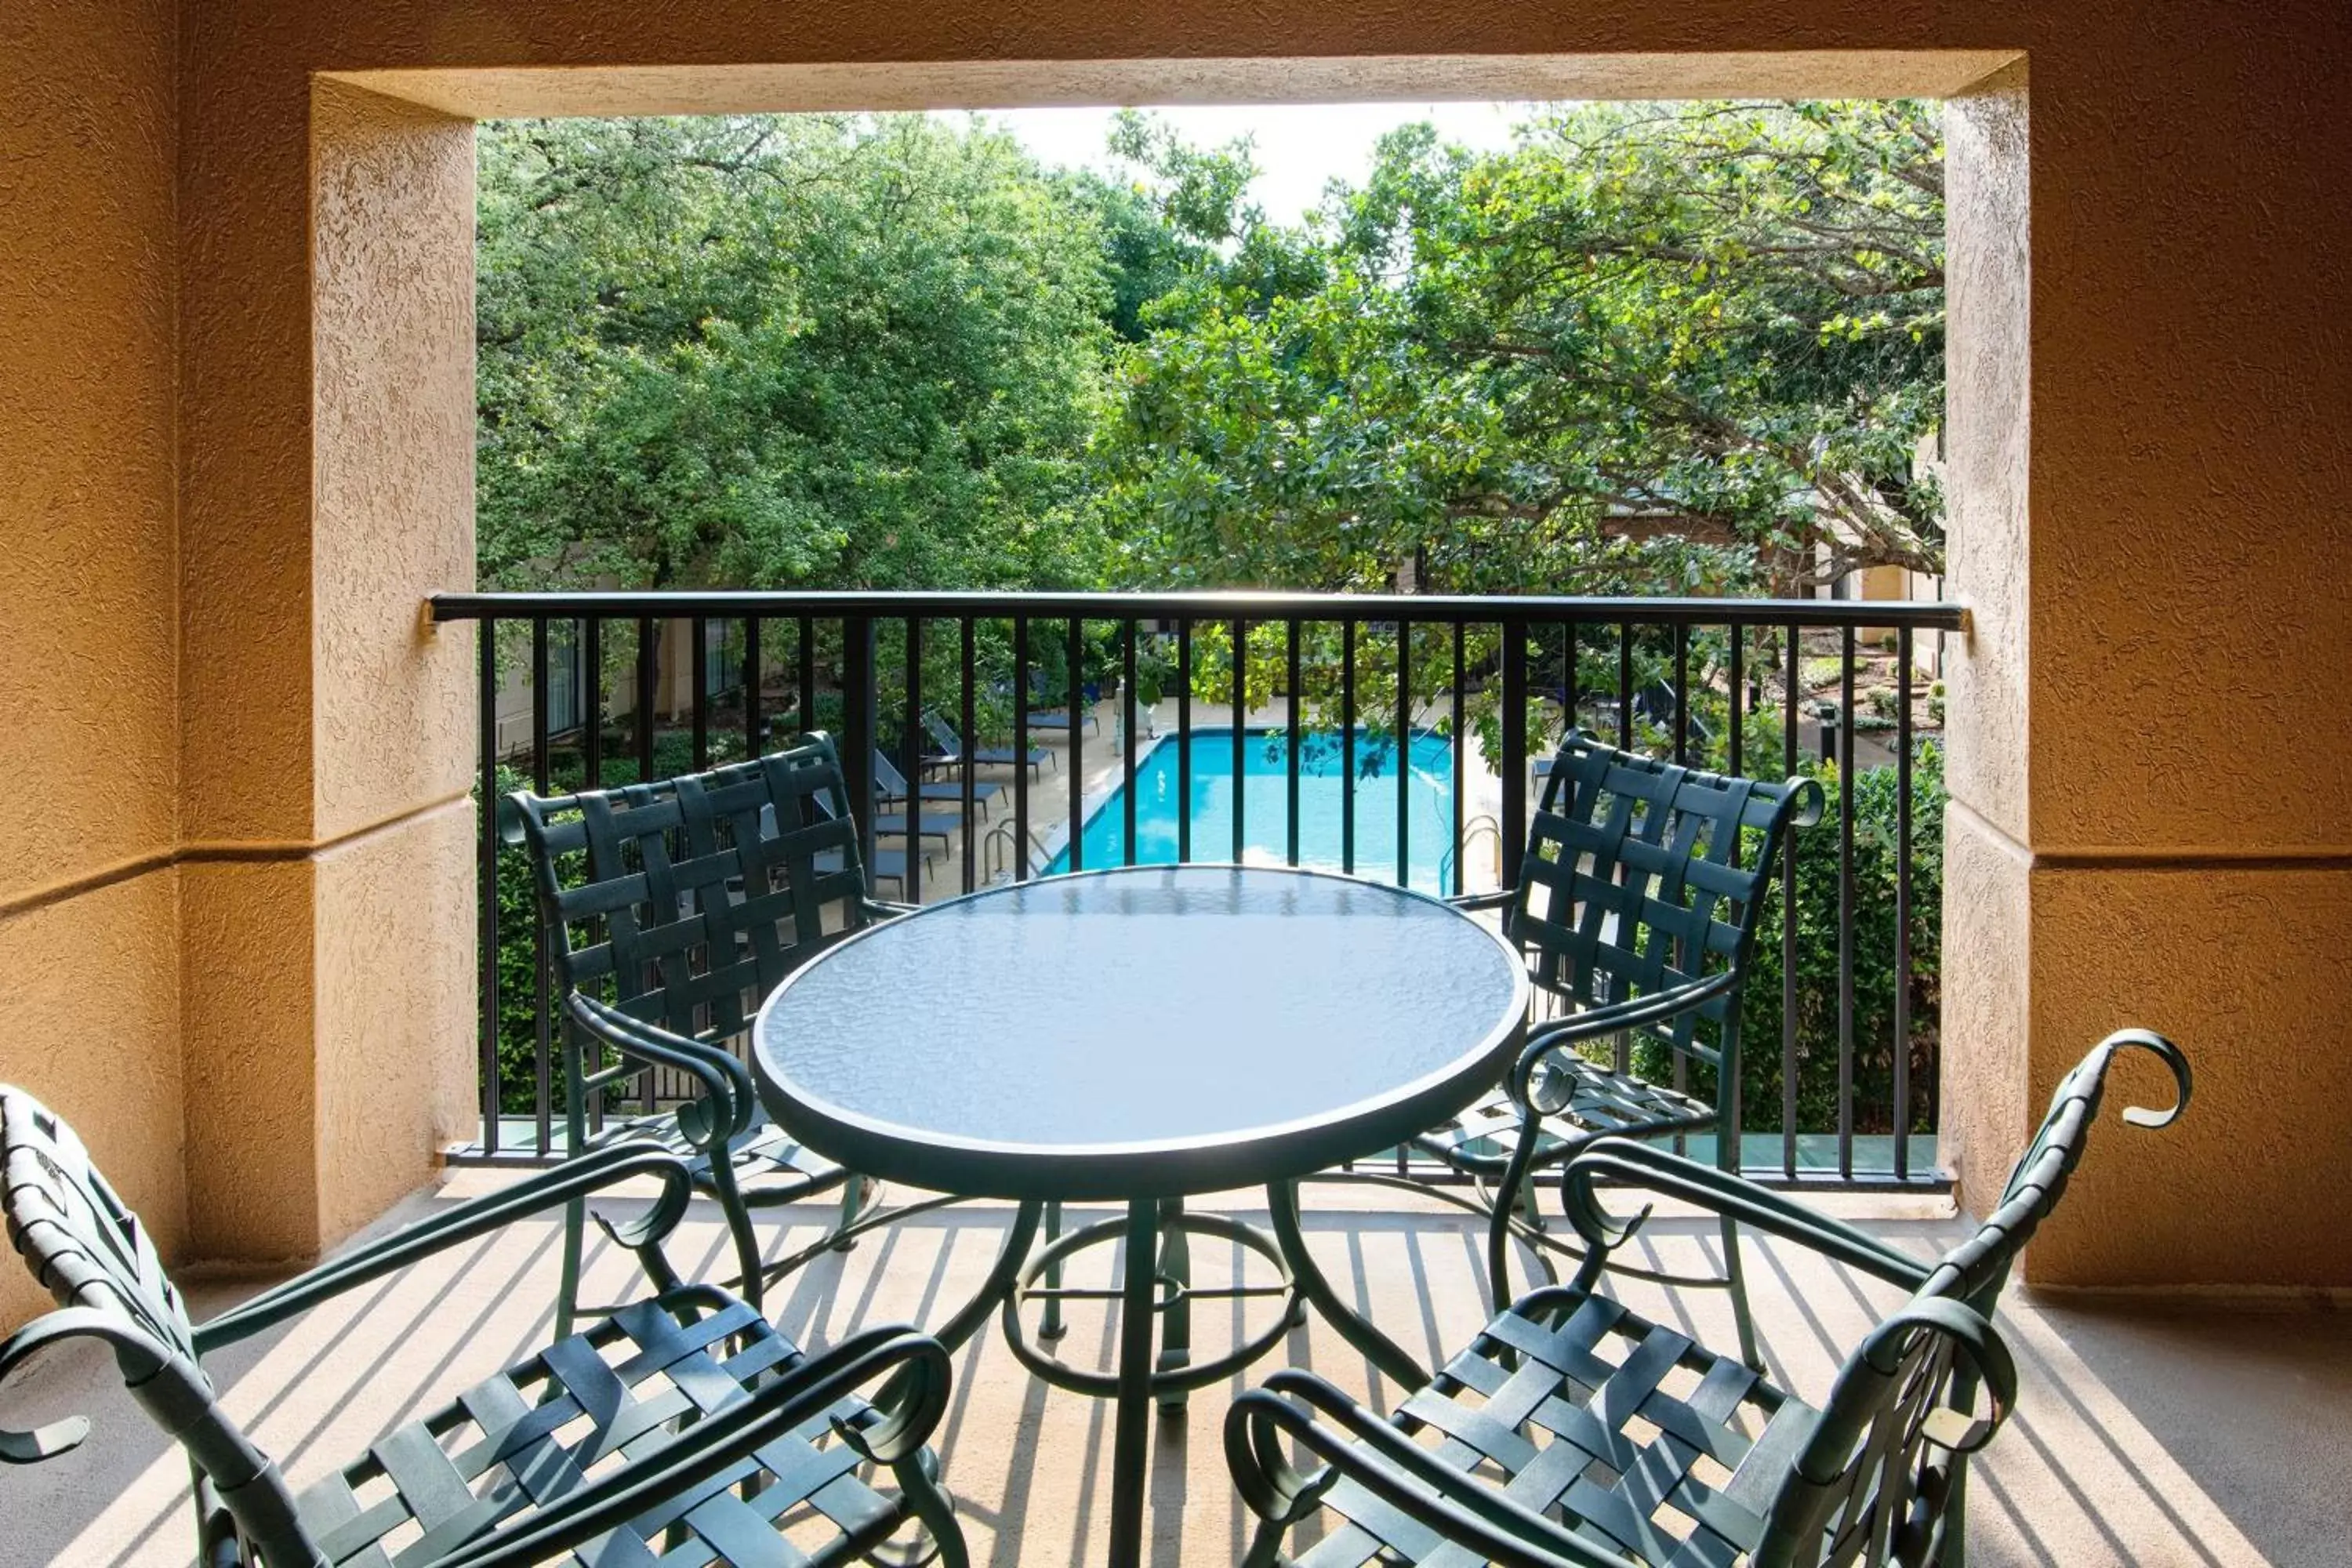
<point x="89" y="588"/>
<point x="2147" y="380"/>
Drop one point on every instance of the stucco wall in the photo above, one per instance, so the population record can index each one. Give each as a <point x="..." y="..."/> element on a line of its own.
<point x="87" y="614"/>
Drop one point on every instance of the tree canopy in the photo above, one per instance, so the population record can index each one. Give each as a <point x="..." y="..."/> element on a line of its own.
<point x="1647" y="348"/>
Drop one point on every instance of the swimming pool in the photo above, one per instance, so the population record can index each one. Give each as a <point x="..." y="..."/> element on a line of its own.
<point x="1266" y="806"/>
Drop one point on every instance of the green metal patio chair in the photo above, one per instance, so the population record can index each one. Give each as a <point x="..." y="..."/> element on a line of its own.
<point x="672" y="908"/>
<point x="1574" y="1432"/>
<point x="682" y="1429"/>
<point x="1638" y="902"/>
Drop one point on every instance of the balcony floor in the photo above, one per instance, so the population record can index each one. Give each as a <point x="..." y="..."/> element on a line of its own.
<point x="2147" y="1436"/>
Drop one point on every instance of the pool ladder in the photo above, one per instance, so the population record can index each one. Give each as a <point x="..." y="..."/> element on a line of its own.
<point x="999" y="849"/>
<point x="1482" y="826"/>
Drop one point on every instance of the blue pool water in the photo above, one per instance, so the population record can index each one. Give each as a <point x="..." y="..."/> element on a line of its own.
<point x="1265" y="802"/>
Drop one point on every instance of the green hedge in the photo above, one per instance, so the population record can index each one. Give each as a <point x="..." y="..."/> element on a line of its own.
<point x="1876" y="832"/>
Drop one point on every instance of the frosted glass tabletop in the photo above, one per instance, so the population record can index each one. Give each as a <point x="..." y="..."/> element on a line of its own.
<point x="1152" y="1030"/>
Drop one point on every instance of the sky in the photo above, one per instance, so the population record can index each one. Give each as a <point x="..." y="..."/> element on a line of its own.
<point x="1300" y="146"/>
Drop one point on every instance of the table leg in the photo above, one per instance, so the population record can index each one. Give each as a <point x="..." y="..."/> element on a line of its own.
<point x="1393" y="1364"/>
<point x="1053" y="1328"/>
<point x="1176" y="1322"/>
<point x="993" y="1291"/>
<point x="1131" y="1442"/>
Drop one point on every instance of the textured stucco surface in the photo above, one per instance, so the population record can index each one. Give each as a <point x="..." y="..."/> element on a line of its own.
<point x="90" y="1023"/>
<point x="248" y="1028"/>
<point x="1989" y="273"/>
<point x="89" y="631"/>
<point x="996" y="83"/>
<point x="2251" y="1187"/>
<point x="395" y="1037"/>
<point x="1984" y="1114"/>
<point x="393" y="514"/>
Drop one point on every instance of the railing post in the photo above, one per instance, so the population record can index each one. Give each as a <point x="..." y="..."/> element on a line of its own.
<point x="858" y="727"/>
<point x="1514" y="749"/>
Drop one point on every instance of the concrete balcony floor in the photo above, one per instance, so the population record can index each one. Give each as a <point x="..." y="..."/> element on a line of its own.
<point x="2147" y="1435"/>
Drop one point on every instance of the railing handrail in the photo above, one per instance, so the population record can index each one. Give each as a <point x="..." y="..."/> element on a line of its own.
<point x="715" y="604"/>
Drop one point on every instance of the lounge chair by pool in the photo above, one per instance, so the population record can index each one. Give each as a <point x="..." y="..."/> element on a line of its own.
<point x="890" y="787"/>
<point x="951" y="749"/>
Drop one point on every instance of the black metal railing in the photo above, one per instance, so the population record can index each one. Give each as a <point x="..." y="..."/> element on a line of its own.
<point x="925" y="683"/>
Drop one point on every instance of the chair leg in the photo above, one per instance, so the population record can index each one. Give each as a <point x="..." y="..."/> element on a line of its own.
<point x="853" y="1199"/>
<point x="567" y="1290"/>
<point x="1511" y="1190"/>
<point x="929" y="1503"/>
<point x="1735" y="1280"/>
<point x="739" y="1226"/>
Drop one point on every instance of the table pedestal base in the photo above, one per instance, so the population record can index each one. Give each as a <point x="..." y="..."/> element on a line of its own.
<point x="1155" y="1290"/>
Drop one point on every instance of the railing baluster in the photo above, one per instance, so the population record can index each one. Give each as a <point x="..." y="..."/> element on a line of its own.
<point x="970" y="633"/>
<point x="485" y="875"/>
<point x="1347" y="747"/>
<point x="1074" y="708"/>
<point x="1903" y="904"/>
<point x="1514" y="826"/>
<point x="1682" y="705"/>
<point x="1184" y="738"/>
<point x="1293" y="740"/>
<point x="753" y="742"/>
<point x="910" y="763"/>
<point x="1625" y="686"/>
<point x="807" y="717"/>
<point x="1792" y="677"/>
<point x="1241" y="734"/>
<point x="1461" y="754"/>
<point x="857" y="729"/>
<point x="1020" y="748"/>
<point x="1126" y="729"/>
<point x="592" y="758"/>
<point x="1404" y="752"/>
<point x="1845" y="908"/>
<point x="648" y="681"/>
<point x="1570" y="697"/>
<point x="1739" y="634"/>
<point x="700" y="684"/>
<point x="542" y="1067"/>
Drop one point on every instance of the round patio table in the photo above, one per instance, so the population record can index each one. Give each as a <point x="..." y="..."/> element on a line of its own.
<point x="1140" y="1035"/>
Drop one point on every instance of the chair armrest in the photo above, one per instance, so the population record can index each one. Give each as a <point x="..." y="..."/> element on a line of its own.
<point x="1660" y="1171"/>
<point x="571" y="1181"/>
<point x="1653" y="1007"/>
<point x="1386" y="1463"/>
<point x="882" y="909"/>
<point x="1471" y="902"/>
<point x="725" y="1437"/>
<point x="725" y="1082"/>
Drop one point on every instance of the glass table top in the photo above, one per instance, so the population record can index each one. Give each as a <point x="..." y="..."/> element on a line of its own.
<point x="1145" y="1006"/>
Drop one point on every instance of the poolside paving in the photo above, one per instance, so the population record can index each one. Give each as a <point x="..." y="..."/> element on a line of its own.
<point x="2148" y="1436"/>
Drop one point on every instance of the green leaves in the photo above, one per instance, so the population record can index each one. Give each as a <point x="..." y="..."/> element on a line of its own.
<point x="776" y="352"/>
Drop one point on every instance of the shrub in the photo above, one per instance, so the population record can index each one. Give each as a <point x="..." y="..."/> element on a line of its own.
<point x="1875" y="831"/>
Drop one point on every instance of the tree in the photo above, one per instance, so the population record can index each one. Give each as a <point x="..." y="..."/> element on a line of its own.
<point x="783" y="352"/>
<point x="1649" y="348"/>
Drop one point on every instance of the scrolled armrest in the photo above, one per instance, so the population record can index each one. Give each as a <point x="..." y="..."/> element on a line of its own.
<point x="575" y="1178"/>
<point x="1386" y="1463"/>
<point x="725" y="1081"/>
<point x="724" y="1437"/>
<point x="1635" y="1012"/>
<point x="1628" y="1163"/>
